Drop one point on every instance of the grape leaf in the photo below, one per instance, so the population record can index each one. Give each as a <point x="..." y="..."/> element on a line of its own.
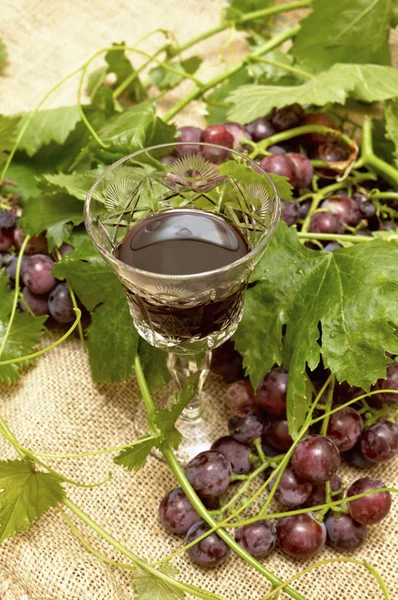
<point x="154" y="365"/>
<point x="391" y="116"/>
<point x="239" y="8"/>
<point x="216" y="106"/>
<point x="166" y="80"/>
<point x="3" y="54"/>
<point x="334" y="32"/>
<point x="352" y="293"/>
<point x="26" y="494"/>
<point x="363" y="82"/>
<point x="76" y="184"/>
<point x="134" y="458"/>
<point x="382" y="147"/>
<point x="52" y="125"/>
<point x="8" y="131"/>
<point x="149" y="587"/>
<point x="246" y="175"/>
<point x="25" y="176"/>
<point x="120" y="65"/>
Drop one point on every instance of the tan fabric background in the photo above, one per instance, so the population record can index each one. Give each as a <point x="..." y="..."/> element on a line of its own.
<point x="57" y="408"/>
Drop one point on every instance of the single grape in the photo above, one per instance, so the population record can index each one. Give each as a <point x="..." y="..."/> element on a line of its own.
<point x="38" y="304"/>
<point x="300" y="536"/>
<point x="36" y="274"/>
<point x="11" y="266"/>
<point x="343" y="533"/>
<point x="209" y="473"/>
<point x="268" y="449"/>
<point x="63" y="250"/>
<point x="345" y="428"/>
<point x="326" y="222"/>
<point x="209" y="552"/>
<point x="316" y="118"/>
<point x="379" y="442"/>
<point x="8" y="220"/>
<point x="246" y="427"/>
<point x="240" y="396"/>
<point x="344" y="206"/>
<point x="390" y="383"/>
<point x="276" y="149"/>
<point x="258" y="539"/>
<point x="276" y="431"/>
<point x="370" y="509"/>
<point x="260" y="129"/>
<point x="176" y="513"/>
<point x="271" y="393"/>
<point x="304" y="208"/>
<point x="280" y="164"/>
<point x="216" y="134"/>
<point x="227" y="362"/>
<point x="292" y="491"/>
<point x="287" y="117"/>
<point x="303" y="169"/>
<point x="60" y="304"/>
<point x="368" y="210"/>
<point x="331" y="151"/>
<point x="316" y="459"/>
<point x="189" y="135"/>
<point x="6" y="241"/>
<point x="236" y="453"/>
<point x="36" y="245"/>
<point x="290" y="212"/>
<point x="355" y="458"/>
<point x="238" y="132"/>
<point x="318" y="494"/>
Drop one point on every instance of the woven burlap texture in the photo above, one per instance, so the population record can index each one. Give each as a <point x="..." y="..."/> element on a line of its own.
<point x="56" y="408"/>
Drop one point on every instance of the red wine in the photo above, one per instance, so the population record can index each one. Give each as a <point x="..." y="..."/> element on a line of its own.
<point x="184" y="242"/>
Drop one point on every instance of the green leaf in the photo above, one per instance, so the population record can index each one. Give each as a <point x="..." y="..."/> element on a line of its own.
<point x="245" y="174"/>
<point x="149" y="587"/>
<point x="120" y="65"/>
<point x="391" y="116"/>
<point x="3" y="54"/>
<point x="76" y="184"/>
<point x="95" y="80"/>
<point x="383" y="147"/>
<point x="135" y="457"/>
<point x="166" y="80"/>
<point x="52" y="125"/>
<point x="238" y="8"/>
<point x="26" y="494"/>
<point x="8" y="131"/>
<point x="368" y="83"/>
<point x="25" y="175"/>
<point x="352" y="293"/>
<point x="217" y="107"/>
<point x="154" y="365"/>
<point x="335" y="32"/>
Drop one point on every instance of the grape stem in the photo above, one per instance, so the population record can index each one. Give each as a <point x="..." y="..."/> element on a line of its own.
<point x="335" y="237"/>
<point x="370" y="159"/>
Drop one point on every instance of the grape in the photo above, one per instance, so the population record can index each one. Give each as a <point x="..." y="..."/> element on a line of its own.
<point x="36" y="245"/>
<point x="209" y="473"/>
<point x="216" y="134"/>
<point x="5" y="241"/>
<point x="287" y="117"/>
<point x="60" y="304"/>
<point x="280" y="164"/>
<point x="246" y="426"/>
<point x="303" y="169"/>
<point x="369" y="509"/>
<point x="188" y="134"/>
<point x="36" y="274"/>
<point x="63" y="250"/>
<point x="343" y="533"/>
<point x="260" y="129"/>
<point x="367" y="209"/>
<point x="276" y="431"/>
<point x="11" y="268"/>
<point x="318" y="494"/>
<point x="304" y="208"/>
<point x="236" y="453"/>
<point x="38" y="304"/>
<point x="275" y="149"/>
<point x="258" y="539"/>
<point x="238" y="132"/>
<point x="379" y="442"/>
<point x="316" y="458"/>
<point x="209" y="552"/>
<point x="8" y="220"/>
<point x="344" y="206"/>
<point x="268" y="449"/>
<point x="345" y="428"/>
<point x="300" y="536"/>
<point x="240" y="396"/>
<point x="390" y="383"/>
<point x="292" y="491"/>
<point x="290" y="212"/>
<point x="176" y="512"/>
<point x="227" y="362"/>
<point x="331" y="151"/>
<point x="326" y="222"/>
<point x="271" y="393"/>
<point x="355" y="458"/>
<point x="316" y="118"/>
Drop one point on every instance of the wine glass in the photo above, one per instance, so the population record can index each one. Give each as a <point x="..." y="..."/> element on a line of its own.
<point x="183" y="226"/>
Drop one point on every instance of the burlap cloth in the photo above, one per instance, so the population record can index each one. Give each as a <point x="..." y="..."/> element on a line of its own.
<point x="57" y="408"/>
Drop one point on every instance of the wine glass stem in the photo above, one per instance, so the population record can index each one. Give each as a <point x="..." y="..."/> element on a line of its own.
<point x="182" y="366"/>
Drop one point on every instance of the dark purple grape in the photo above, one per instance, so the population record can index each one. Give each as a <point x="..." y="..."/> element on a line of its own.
<point x="8" y="220"/>
<point x="211" y="551"/>
<point x="318" y="494"/>
<point x="236" y="453"/>
<point x="331" y="151"/>
<point x="246" y="427"/>
<point x="316" y="118"/>
<point x="345" y="428"/>
<point x="300" y="536"/>
<point x="60" y="304"/>
<point x="275" y="149"/>
<point x="11" y="266"/>
<point x="379" y="442"/>
<point x="390" y="383"/>
<point x="290" y="212"/>
<point x="280" y="164"/>
<point x="303" y="169"/>
<point x="238" y="132"/>
<point x="268" y="449"/>
<point x="36" y="274"/>
<point x="63" y="250"/>
<point x="258" y="539"/>
<point x="216" y="134"/>
<point x="287" y="117"/>
<point x="240" y="396"/>
<point x="190" y="135"/>
<point x="276" y="431"/>
<point x="6" y="241"/>
<point x="176" y="513"/>
<point x="271" y="393"/>
<point x="292" y="491"/>
<point x="260" y="129"/>
<point x="316" y="459"/>
<point x="370" y="509"/>
<point x="36" y="245"/>
<point x="38" y="304"/>
<point x="368" y="210"/>
<point x="304" y="208"/>
<point x="326" y="222"/>
<point x="343" y="533"/>
<point x="344" y="206"/>
<point x="355" y="458"/>
<point x="209" y="473"/>
<point x="227" y="362"/>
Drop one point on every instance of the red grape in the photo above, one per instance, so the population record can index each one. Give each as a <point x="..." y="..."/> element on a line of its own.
<point x="190" y="135"/>
<point x="372" y="508"/>
<point x="326" y="222"/>
<point x="238" y="132"/>
<point x="176" y="512"/>
<point x="390" y="383"/>
<point x="60" y="304"/>
<point x="316" y="118"/>
<point x="301" y="536"/>
<point x="246" y="426"/>
<point x="355" y="458"/>
<point x="36" y="274"/>
<point x="240" y="396"/>
<point x="345" y="428"/>
<point x="292" y="491"/>
<point x="318" y="494"/>
<point x="271" y="393"/>
<point x="209" y="473"/>
<point x="290" y="212"/>
<point x="38" y="304"/>
<point x="260" y="129"/>
<point x="276" y="431"/>
<point x="316" y="459"/>
<point x="343" y="533"/>
<point x="280" y="164"/>
<point x="209" y="552"/>
<point x="8" y="220"/>
<point x="258" y="539"/>
<point x="5" y="241"/>
<point x="287" y="117"/>
<point x="379" y="442"/>
<point x="344" y="206"/>
<point x="11" y="266"/>
<point x="303" y="169"/>
<point x="216" y="134"/>
<point x="236" y="453"/>
<point x="36" y="245"/>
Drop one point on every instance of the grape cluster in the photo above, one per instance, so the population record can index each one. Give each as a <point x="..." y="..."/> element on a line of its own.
<point x="309" y="480"/>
